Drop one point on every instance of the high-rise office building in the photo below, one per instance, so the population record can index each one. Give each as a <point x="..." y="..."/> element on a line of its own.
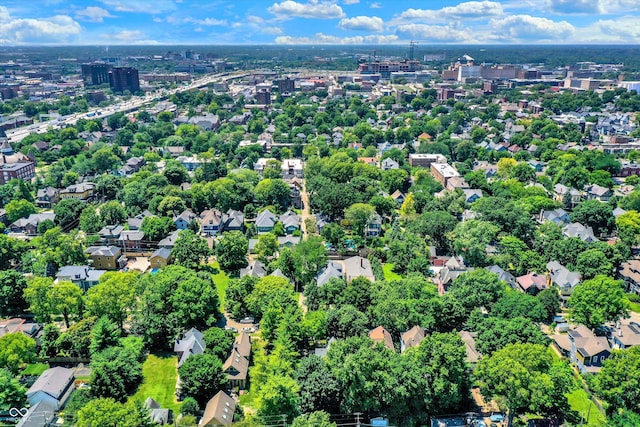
<point x="95" y="74"/>
<point x="124" y="78"/>
<point x="286" y="85"/>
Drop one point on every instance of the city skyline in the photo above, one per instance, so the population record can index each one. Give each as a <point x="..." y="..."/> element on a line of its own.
<point x="288" y="22"/>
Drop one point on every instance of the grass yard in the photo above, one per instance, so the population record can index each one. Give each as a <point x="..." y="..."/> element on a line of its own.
<point x="635" y="306"/>
<point x="389" y="275"/>
<point x="221" y="280"/>
<point x="160" y="373"/>
<point x="579" y="401"/>
<point x="35" y="369"/>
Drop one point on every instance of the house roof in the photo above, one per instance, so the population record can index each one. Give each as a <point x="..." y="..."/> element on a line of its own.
<point x="242" y="345"/>
<point x="53" y="382"/>
<point x="628" y="334"/>
<point x="413" y="337"/>
<point x="532" y="280"/>
<point x="503" y="275"/>
<point x="469" y="339"/>
<point x="562" y="276"/>
<point x="135" y="235"/>
<point x="236" y="366"/>
<point x="587" y="343"/>
<point x="40" y="414"/>
<point x="170" y="240"/>
<point x="584" y="233"/>
<point x="358" y="266"/>
<point x="103" y="251"/>
<point x="111" y="230"/>
<point x="266" y="218"/>
<point x="161" y="253"/>
<point x="381" y="335"/>
<point x="191" y="343"/>
<point x="254" y="269"/>
<point x="219" y="410"/>
<point x="211" y="217"/>
<point x="331" y="270"/>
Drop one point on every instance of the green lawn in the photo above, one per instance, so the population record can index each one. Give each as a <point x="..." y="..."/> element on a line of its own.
<point x="635" y="306"/>
<point x="389" y="275"/>
<point x="35" y="369"/>
<point x="160" y="373"/>
<point x="221" y="280"/>
<point x="579" y="402"/>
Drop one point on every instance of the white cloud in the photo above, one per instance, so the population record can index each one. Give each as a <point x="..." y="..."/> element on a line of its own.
<point x="140" y="6"/>
<point x="55" y="29"/>
<point x="375" y="5"/>
<point x="350" y="1"/>
<point x="93" y="14"/>
<point x="208" y="22"/>
<point x="590" y="7"/>
<point x="437" y="33"/>
<point x="362" y="23"/>
<point x="526" y="27"/>
<point x="271" y="31"/>
<point x="133" y="37"/>
<point x="620" y="30"/>
<point x="466" y="10"/>
<point x="318" y="10"/>
<point x="320" y="38"/>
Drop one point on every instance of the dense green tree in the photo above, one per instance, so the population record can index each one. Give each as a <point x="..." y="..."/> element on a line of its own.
<point x="104" y="334"/>
<point x="107" y="412"/>
<point x="267" y="291"/>
<point x="594" y="262"/>
<point x="617" y="381"/>
<point x="12" y="286"/>
<point x="278" y="396"/>
<point x="596" y="214"/>
<point x="470" y="239"/>
<point x="115" y="373"/>
<point x="50" y="334"/>
<point x="309" y="257"/>
<point x="549" y="298"/>
<point x="190" y="250"/>
<point x="525" y="376"/>
<point x="12" y="393"/>
<point x="68" y="211"/>
<point x="231" y="251"/>
<point x="517" y="304"/>
<point x="495" y="333"/>
<point x="17" y="209"/>
<point x="313" y="419"/>
<point x="597" y="301"/>
<point x="175" y="172"/>
<point x="201" y="377"/>
<point x="266" y="247"/>
<point x="477" y="288"/>
<point x="273" y="192"/>
<point x="435" y="225"/>
<point x="76" y="341"/>
<point x="113" y="297"/>
<point x="10" y="251"/>
<point x="346" y="321"/>
<point x="157" y="228"/>
<point x="219" y="342"/>
<point x="16" y="349"/>
<point x="170" y="206"/>
<point x="112" y="213"/>
<point x="90" y="222"/>
<point x="65" y="299"/>
<point x="236" y="295"/>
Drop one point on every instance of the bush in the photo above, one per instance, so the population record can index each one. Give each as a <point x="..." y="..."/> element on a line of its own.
<point x="190" y="407"/>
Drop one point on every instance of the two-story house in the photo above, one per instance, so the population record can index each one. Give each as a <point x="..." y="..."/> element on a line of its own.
<point x="563" y="278"/>
<point x="106" y="257"/>
<point x="210" y="222"/>
<point x="47" y="197"/>
<point x="82" y="275"/>
<point x="83" y="191"/>
<point x="588" y="351"/>
<point x="110" y="234"/>
<point x="183" y="220"/>
<point x="374" y="226"/>
<point x="265" y="221"/>
<point x="629" y="272"/>
<point x="290" y="221"/>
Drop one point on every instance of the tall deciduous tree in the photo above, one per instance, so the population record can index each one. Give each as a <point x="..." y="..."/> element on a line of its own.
<point x="597" y="301"/>
<point x="477" y="288"/>
<point x="526" y="377"/>
<point x="106" y="412"/>
<point x="12" y="286"/>
<point x="201" y="377"/>
<point x="319" y="390"/>
<point x="12" y="393"/>
<point x="115" y="372"/>
<point x="190" y="250"/>
<point x="231" y="251"/>
<point x="113" y="296"/>
<point x="16" y="349"/>
<point x="617" y="382"/>
<point x="66" y="300"/>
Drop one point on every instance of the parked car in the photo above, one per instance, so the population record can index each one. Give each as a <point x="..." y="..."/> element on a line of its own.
<point x="230" y="328"/>
<point x="247" y="319"/>
<point x="248" y="329"/>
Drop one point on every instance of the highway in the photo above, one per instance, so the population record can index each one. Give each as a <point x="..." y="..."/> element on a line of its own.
<point x="133" y="104"/>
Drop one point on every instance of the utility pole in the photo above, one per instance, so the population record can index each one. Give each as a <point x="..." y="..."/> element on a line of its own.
<point x="357" y="414"/>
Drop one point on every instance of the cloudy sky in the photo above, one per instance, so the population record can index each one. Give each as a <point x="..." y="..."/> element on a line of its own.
<point x="127" y="22"/>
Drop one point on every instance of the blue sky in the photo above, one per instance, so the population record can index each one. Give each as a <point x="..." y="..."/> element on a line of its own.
<point x="129" y="22"/>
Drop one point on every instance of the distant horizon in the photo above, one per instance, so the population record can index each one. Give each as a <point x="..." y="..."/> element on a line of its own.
<point x="317" y="22"/>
